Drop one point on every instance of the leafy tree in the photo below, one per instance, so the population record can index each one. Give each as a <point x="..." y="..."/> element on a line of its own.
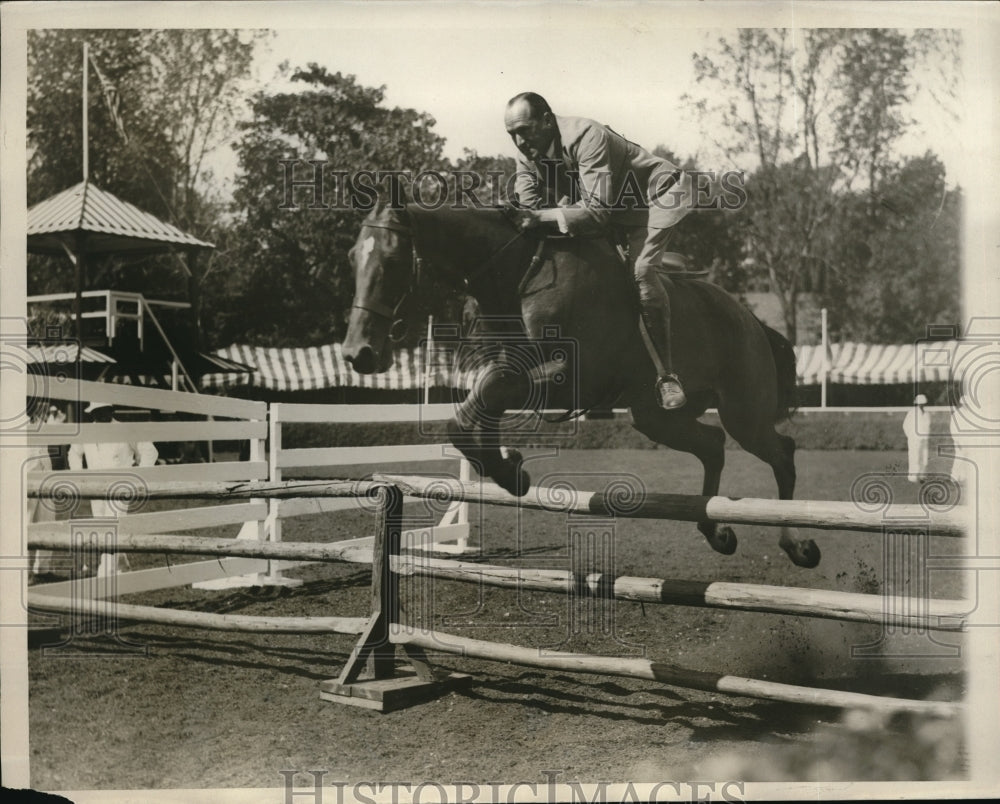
<point x="493" y="177"/>
<point x="813" y="112"/>
<point x="897" y="259"/>
<point x="284" y="278"/>
<point x="179" y="91"/>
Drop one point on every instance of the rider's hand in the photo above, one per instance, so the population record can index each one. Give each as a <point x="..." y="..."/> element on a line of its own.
<point x="526" y="219"/>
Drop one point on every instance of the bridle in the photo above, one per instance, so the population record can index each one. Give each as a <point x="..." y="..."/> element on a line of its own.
<point x="395" y="315"/>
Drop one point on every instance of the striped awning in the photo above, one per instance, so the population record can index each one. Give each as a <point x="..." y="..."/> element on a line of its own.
<point x="876" y="364"/>
<point x="324" y="367"/>
<point x="87" y="217"/>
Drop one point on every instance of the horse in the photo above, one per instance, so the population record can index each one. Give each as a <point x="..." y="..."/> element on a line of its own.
<point x="581" y="290"/>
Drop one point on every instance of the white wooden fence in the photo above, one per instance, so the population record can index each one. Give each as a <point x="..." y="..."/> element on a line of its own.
<point x="235" y="419"/>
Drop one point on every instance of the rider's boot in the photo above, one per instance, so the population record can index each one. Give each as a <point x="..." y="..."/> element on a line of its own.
<point x="655" y="312"/>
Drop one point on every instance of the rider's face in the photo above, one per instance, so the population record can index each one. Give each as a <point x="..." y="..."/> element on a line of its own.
<point x="532" y="134"/>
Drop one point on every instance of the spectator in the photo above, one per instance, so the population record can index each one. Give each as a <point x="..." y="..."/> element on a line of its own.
<point x="959" y="465"/>
<point x="917" y="426"/>
<point x="39" y="561"/>
<point x="57" y="452"/>
<point x="109" y="455"/>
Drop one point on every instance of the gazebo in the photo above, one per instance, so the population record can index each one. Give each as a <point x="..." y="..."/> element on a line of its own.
<point x="85" y="222"/>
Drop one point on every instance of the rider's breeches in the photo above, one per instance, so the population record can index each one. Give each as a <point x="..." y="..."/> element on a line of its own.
<point x="646" y="247"/>
<point x="653" y="300"/>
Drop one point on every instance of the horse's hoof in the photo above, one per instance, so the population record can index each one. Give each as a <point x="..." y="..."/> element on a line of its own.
<point x="517" y="482"/>
<point x="804" y="554"/>
<point x="722" y="540"/>
<point x="514" y="479"/>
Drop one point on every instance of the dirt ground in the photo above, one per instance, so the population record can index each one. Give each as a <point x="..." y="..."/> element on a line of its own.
<point x="163" y="707"/>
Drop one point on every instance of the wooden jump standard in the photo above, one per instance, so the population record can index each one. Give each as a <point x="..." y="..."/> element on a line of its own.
<point x="826" y="515"/>
<point x="369" y="679"/>
<point x="941" y="615"/>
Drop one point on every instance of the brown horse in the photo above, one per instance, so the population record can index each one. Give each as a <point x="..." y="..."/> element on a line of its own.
<point x="578" y="344"/>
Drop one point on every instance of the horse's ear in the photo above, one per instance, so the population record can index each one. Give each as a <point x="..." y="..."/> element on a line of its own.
<point x="385" y="205"/>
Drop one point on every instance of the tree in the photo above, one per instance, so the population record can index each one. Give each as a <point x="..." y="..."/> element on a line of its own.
<point x="284" y="278"/>
<point x="898" y="261"/>
<point x="814" y="110"/>
<point x="179" y="91"/>
<point x="494" y="176"/>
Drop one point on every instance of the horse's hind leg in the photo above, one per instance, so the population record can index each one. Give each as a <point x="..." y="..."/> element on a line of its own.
<point x="803" y="552"/>
<point x="681" y="431"/>
<point x="778" y="451"/>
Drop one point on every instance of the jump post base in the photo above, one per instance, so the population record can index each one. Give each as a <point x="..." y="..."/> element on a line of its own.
<point x="389" y="694"/>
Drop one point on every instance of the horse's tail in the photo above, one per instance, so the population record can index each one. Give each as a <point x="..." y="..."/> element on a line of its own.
<point x="784" y="363"/>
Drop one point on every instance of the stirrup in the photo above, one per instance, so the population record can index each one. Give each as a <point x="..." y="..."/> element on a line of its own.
<point x="669" y="392"/>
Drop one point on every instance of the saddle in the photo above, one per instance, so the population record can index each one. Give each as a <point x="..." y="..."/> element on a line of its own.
<point x="674" y="264"/>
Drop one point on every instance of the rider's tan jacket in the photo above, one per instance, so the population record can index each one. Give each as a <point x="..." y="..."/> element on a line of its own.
<point x="595" y="175"/>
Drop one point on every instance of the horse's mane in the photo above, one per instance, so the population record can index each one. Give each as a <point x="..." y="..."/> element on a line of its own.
<point x="410" y="214"/>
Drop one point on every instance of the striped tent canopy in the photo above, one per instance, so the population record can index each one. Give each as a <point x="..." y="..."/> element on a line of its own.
<point x="876" y="364"/>
<point x="324" y="367"/>
<point x="319" y="367"/>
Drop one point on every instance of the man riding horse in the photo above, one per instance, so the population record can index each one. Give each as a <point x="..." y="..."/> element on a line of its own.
<point x="728" y="359"/>
<point x="573" y="174"/>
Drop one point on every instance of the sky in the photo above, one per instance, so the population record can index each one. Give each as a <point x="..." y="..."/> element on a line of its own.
<point x="624" y="64"/>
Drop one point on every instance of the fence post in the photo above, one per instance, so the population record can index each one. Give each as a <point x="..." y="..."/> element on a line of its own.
<point x="270" y="528"/>
<point x="826" y="357"/>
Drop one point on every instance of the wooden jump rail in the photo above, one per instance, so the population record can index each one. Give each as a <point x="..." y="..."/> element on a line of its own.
<point x="823" y="514"/>
<point x="199" y="619"/>
<point x="374" y="655"/>
<point x="97" y="488"/>
<point x="941" y="615"/>
<point x="664" y="673"/>
<point x="826" y="515"/>
<point x="932" y="614"/>
<point x="373" y="658"/>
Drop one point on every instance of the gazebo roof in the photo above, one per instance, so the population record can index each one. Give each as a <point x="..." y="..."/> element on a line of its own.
<point x="107" y="225"/>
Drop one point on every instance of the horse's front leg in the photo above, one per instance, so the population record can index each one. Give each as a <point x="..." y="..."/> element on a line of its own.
<point x="475" y="430"/>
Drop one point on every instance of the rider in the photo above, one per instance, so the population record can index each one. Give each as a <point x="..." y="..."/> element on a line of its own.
<point x="572" y="173"/>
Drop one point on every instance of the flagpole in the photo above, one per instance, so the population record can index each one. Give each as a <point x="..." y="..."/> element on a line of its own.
<point x="78" y="243"/>
<point x="86" y="166"/>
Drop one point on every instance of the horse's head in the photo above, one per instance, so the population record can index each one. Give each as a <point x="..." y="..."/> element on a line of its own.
<point x="382" y="258"/>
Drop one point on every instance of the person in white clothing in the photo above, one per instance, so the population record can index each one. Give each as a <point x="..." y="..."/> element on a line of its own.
<point x="959" y="466"/>
<point x="36" y="510"/>
<point x="109" y="455"/>
<point x="917" y="426"/>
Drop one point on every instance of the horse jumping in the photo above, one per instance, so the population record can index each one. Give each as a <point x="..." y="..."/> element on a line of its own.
<point x="579" y="289"/>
